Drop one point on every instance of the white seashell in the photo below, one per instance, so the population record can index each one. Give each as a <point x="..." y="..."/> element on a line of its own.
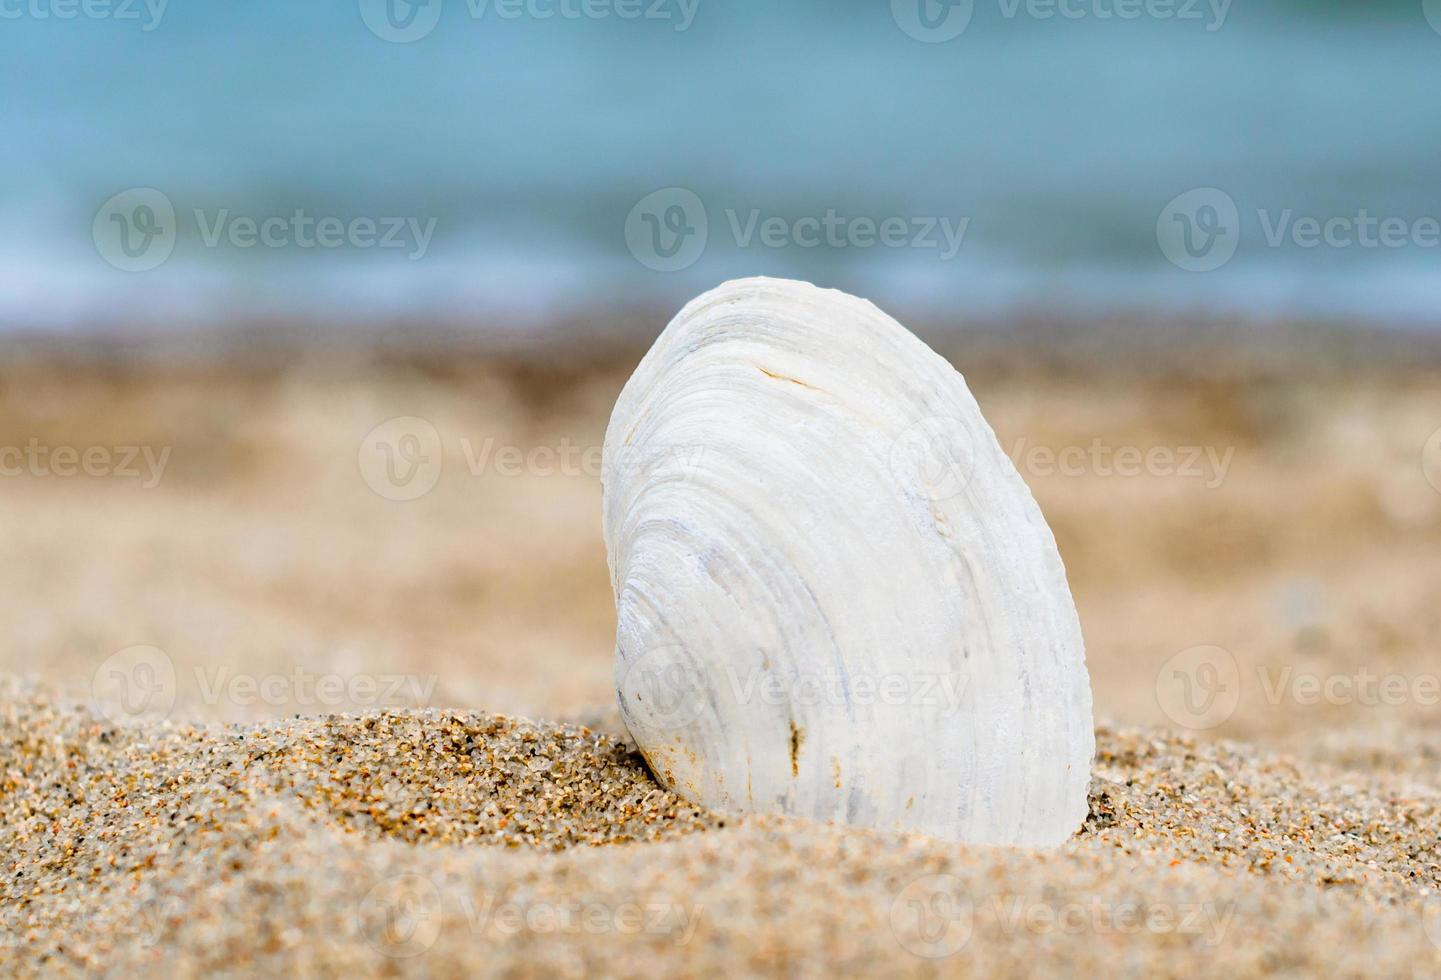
<point x="835" y="596"/>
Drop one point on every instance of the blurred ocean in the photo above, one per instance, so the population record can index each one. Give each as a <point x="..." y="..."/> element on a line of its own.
<point x="488" y="160"/>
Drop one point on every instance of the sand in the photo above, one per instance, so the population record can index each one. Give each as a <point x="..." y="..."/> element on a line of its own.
<point x="456" y="844"/>
<point x="336" y="778"/>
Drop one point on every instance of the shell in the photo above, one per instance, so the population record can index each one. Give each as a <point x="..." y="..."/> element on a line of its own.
<point x="835" y="596"/>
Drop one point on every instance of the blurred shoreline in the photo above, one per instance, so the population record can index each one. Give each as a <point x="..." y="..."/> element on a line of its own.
<point x="1058" y="192"/>
<point x="1200" y="346"/>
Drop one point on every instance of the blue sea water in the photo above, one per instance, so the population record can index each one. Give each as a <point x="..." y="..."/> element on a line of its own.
<point x="510" y="160"/>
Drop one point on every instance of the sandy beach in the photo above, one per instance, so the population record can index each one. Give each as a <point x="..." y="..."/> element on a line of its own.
<point x="271" y="704"/>
<point x="446" y="843"/>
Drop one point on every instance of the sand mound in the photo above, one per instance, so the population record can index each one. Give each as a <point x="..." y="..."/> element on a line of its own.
<point x="454" y="844"/>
